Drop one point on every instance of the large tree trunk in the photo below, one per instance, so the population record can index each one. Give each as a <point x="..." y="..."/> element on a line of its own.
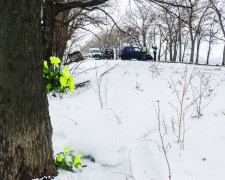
<point x="25" y="128"/>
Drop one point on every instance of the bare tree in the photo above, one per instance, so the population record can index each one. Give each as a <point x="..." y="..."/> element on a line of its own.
<point x="140" y="19"/>
<point x="197" y="10"/>
<point x="211" y="34"/>
<point x="218" y="7"/>
<point x="51" y="9"/>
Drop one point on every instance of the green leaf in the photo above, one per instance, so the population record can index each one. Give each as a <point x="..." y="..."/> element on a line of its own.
<point x="70" y="162"/>
<point x="76" y="166"/>
<point x="71" y="155"/>
<point x="73" y="158"/>
<point x="71" y="151"/>
<point x="63" y="164"/>
<point x="70" y="168"/>
<point x="61" y="153"/>
<point x="46" y="71"/>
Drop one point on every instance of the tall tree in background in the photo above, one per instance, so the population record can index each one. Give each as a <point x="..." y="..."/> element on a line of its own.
<point x="140" y="18"/>
<point x="51" y="8"/>
<point x="196" y="15"/>
<point x="218" y="7"/>
<point x="25" y="128"/>
<point x="71" y="25"/>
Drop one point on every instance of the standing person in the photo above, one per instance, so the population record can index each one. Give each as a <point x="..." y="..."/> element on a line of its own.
<point x="154" y="51"/>
<point x="144" y="52"/>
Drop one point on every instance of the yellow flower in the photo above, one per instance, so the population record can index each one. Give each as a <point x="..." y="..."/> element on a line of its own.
<point x="59" y="158"/>
<point x="77" y="158"/>
<point x="66" y="68"/>
<point x="70" y="78"/>
<point x="55" y="60"/>
<point x="71" y="84"/>
<point x="45" y="64"/>
<point x="71" y="87"/>
<point x="66" y="149"/>
<point x="65" y="73"/>
<point x="63" y="81"/>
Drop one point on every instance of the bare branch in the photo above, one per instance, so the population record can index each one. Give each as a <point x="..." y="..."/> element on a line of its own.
<point x="168" y="3"/>
<point x="62" y="6"/>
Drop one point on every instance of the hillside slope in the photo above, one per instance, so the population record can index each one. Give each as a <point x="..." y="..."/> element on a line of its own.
<point x="114" y="119"/>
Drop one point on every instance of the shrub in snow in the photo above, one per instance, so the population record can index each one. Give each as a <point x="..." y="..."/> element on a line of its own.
<point x="67" y="160"/>
<point x="55" y="79"/>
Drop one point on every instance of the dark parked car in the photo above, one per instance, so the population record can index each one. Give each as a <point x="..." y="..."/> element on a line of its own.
<point x="108" y="54"/>
<point x="129" y="52"/>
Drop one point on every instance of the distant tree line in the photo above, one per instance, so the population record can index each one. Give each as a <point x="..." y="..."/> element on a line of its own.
<point x="178" y="28"/>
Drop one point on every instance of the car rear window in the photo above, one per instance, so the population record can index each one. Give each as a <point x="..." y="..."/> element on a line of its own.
<point x="129" y="48"/>
<point x="96" y="51"/>
<point x="136" y="49"/>
<point x="109" y="50"/>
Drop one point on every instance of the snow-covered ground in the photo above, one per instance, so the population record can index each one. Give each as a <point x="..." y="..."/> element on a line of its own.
<point x="113" y="118"/>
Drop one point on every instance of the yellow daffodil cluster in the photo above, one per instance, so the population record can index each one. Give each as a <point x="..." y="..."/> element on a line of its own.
<point x="55" y="79"/>
<point x="66" y="78"/>
<point x="68" y="160"/>
<point x="54" y="60"/>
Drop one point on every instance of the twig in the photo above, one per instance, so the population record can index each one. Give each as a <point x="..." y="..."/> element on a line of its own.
<point x="107" y="71"/>
<point x="99" y="88"/>
<point x="162" y="140"/>
<point x="115" y="115"/>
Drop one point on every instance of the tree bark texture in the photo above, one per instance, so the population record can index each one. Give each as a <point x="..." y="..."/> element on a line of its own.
<point x="25" y="128"/>
<point x="48" y="32"/>
<point x="62" y="33"/>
